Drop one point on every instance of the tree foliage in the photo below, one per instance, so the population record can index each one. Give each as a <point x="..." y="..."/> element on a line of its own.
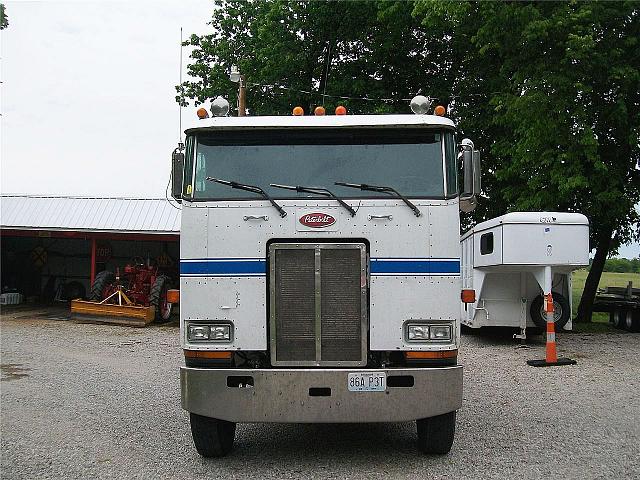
<point x="4" y="20"/>
<point x="549" y="91"/>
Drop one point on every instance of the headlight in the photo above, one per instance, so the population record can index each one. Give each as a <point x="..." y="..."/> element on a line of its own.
<point x="198" y="332"/>
<point x="440" y="332"/>
<point x="215" y="332"/>
<point x="220" y="332"/>
<point x="417" y="333"/>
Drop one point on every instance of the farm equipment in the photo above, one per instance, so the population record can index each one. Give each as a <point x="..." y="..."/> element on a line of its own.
<point x="136" y="298"/>
<point x="622" y="304"/>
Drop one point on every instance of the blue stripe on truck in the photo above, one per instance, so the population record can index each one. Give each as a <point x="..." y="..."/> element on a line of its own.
<point x="258" y="267"/>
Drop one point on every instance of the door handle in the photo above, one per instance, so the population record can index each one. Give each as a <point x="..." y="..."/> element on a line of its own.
<point x="255" y="217"/>
<point x="380" y="217"/>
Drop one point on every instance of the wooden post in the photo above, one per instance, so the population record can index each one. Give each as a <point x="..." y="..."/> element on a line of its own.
<point x="242" y="98"/>
<point x="93" y="260"/>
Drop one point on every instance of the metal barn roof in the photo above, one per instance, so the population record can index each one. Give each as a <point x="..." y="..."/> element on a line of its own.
<point x="88" y="214"/>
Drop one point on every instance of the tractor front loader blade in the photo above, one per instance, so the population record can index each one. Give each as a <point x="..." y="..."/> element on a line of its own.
<point x="130" y="315"/>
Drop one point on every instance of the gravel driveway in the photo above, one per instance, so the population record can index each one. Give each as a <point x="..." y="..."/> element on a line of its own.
<point x="82" y="401"/>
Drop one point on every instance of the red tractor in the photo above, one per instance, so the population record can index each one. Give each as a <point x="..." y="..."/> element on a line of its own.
<point x="140" y="285"/>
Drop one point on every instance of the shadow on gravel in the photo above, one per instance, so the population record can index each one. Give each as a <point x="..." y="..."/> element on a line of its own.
<point x="352" y="443"/>
<point x="501" y="335"/>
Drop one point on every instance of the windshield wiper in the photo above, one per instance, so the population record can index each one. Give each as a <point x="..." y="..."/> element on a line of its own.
<point x="250" y="188"/>
<point x="318" y="191"/>
<point x="389" y="190"/>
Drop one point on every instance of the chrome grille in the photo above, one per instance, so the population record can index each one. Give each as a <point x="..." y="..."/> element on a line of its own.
<point x="318" y="304"/>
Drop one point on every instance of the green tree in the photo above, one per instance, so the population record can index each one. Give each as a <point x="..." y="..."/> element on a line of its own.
<point x="552" y="89"/>
<point x="359" y="49"/>
<point x="4" y="20"/>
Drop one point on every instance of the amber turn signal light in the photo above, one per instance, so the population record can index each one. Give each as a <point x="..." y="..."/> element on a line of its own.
<point x="173" y="296"/>
<point x="440" y="111"/>
<point x="319" y="111"/>
<point x="207" y="354"/>
<point x="468" y="296"/>
<point x="431" y="355"/>
<point x="298" y="111"/>
<point x="340" y="110"/>
<point x="202" y="113"/>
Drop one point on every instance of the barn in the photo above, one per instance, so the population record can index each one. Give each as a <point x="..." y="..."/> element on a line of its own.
<point x="54" y="246"/>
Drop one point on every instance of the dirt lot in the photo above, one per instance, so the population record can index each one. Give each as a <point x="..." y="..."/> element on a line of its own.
<point x="80" y="401"/>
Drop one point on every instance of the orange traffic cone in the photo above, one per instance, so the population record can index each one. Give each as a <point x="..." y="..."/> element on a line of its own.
<point x="551" y="354"/>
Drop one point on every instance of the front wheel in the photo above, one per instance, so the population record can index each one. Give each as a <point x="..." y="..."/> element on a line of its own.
<point x="435" y="434"/>
<point x="212" y="437"/>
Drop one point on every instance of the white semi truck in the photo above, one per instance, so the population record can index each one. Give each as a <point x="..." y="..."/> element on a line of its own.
<point x="320" y="272"/>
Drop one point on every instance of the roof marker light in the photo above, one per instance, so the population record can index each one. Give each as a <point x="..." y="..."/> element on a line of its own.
<point x="202" y="113"/>
<point x="420" y="104"/>
<point x="298" y="111"/>
<point x="340" y="110"/>
<point x="440" y="111"/>
<point x="319" y="111"/>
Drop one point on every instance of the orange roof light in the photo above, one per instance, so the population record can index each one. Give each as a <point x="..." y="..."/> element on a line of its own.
<point x="340" y="110"/>
<point x="298" y="111"/>
<point x="202" y="113"/>
<point x="440" y="111"/>
<point x="319" y="111"/>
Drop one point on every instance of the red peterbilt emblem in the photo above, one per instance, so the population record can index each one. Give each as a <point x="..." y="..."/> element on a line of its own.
<point x="317" y="220"/>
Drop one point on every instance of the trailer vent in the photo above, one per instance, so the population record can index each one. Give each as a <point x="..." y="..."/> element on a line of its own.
<point x="318" y="304"/>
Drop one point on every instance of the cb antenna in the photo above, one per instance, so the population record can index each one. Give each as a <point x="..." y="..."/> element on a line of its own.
<point x="180" y="143"/>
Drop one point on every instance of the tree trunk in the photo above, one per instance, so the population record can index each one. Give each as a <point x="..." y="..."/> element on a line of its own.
<point x="585" y="309"/>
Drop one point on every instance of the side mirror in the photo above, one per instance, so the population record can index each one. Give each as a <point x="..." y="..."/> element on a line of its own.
<point x="472" y="176"/>
<point x="177" y="169"/>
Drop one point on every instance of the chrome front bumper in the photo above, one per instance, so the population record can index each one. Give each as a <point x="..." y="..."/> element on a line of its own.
<point x="282" y="395"/>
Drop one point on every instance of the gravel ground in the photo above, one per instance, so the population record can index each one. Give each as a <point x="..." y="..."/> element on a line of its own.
<point x="81" y="401"/>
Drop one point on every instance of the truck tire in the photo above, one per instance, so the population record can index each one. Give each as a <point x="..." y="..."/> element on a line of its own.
<point x="630" y="324"/>
<point x="560" y="311"/>
<point x="212" y="437"/>
<point x="100" y="283"/>
<point x="435" y="434"/>
<point x="158" y="298"/>
<point x="617" y="317"/>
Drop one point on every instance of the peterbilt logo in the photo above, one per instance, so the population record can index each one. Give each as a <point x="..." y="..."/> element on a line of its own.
<point x="317" y="220"/>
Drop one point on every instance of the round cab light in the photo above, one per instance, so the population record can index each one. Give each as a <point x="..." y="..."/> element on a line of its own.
<point x="440" y="111"/>
<point x="202" y="113"/>
<point x="319" y="111"/>
<point x="340" y="110"/>
<point x="420" y="104"/>
<point x="298" y="111"/>
<point x="219" y="107"/>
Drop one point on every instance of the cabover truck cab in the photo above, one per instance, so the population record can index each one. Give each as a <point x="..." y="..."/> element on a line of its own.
<point x="320" y="273"/>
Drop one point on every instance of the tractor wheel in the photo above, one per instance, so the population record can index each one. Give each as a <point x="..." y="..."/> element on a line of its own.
<point x="100" y="284"/>
<point x="158" y="298"/>
<point x="560" y="312"/>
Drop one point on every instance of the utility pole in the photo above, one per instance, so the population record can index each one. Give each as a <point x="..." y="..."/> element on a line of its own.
<point x="242" y="97"/>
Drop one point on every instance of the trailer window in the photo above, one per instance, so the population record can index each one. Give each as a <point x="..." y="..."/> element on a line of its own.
<point x="409" y="160"/>
<point x="486" y="243"/>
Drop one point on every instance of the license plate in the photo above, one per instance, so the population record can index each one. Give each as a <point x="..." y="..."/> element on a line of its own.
<point x="367" y="382"/>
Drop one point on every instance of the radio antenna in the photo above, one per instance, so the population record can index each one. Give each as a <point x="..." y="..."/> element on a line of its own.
<point x="180" y="104"/>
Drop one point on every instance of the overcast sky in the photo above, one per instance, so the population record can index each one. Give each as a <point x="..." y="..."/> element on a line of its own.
<point x="88" y="96"/>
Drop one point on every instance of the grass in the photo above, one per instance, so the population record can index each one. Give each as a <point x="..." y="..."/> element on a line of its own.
<point x="608" y="279"/>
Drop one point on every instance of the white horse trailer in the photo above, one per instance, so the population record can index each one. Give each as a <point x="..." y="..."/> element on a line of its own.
<point x="510" y="261"/>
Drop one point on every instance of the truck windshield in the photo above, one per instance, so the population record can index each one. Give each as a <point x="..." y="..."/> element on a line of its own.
<point x="409" y="160"/>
